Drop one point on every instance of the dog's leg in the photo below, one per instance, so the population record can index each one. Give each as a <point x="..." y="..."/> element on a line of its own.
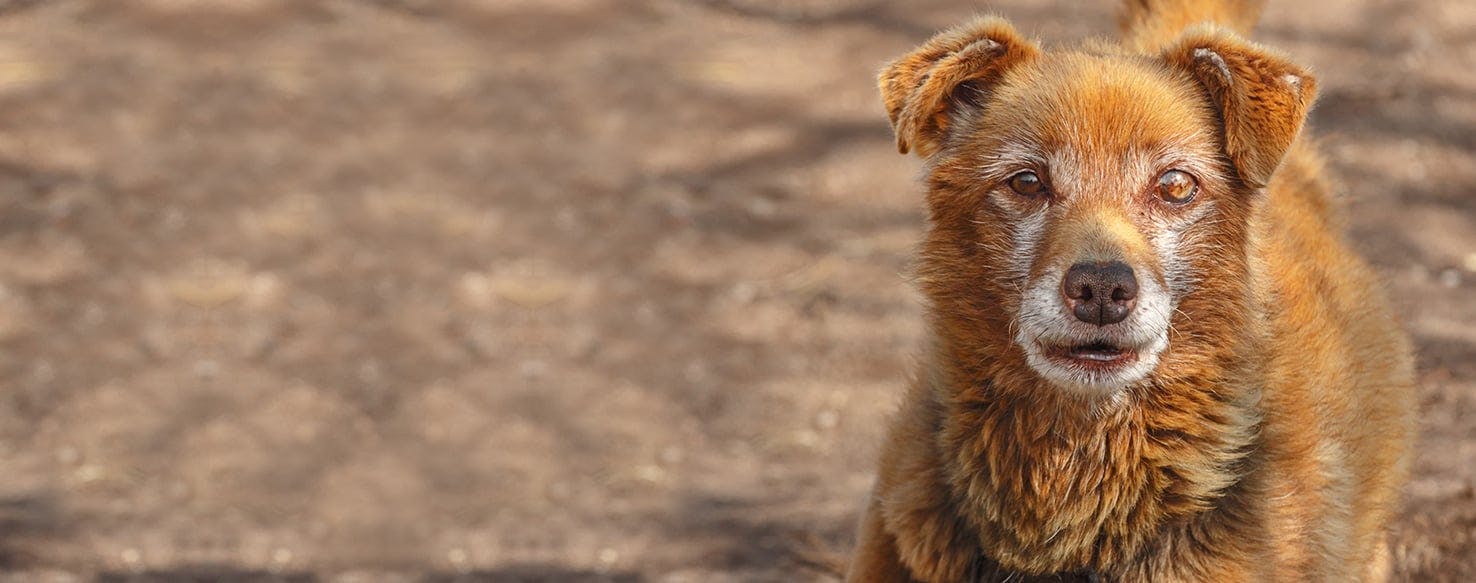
<point x="1379" y="566"/>
<point x="876" y="559"/>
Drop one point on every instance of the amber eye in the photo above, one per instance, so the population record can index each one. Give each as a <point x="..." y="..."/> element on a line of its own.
<point x="1177" y="186"/>
<point x="1027" y="184"/>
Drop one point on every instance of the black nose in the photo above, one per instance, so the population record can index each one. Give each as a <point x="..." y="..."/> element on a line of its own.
<point x="1100" y="293"/>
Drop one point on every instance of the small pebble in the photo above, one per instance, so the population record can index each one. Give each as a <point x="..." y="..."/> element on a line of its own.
<point x="650" y="473"/>
<point x="827" y="419"/>
<point x="89" y="473"/>
<point x="1450" y="278"/>
<point x="744" y="292"/>
<point x="762" y="207"/>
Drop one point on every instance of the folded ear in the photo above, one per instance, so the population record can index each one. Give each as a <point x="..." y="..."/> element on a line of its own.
<point x="1262" y="97"/>
<point x="953" y="69"/>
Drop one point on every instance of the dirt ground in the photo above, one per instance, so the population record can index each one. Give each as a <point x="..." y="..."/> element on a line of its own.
<point x="553" y="290"/>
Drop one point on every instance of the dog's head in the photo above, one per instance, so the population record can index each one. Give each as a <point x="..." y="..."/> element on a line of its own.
<point x="1090" y="210"/>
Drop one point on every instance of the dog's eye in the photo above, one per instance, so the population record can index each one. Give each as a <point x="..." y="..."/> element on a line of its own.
<point x="1177" y="186"/>
<point x="1027" y="184"/>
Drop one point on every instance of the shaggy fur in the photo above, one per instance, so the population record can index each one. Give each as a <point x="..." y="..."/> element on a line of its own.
<point x="1267" y="437"/>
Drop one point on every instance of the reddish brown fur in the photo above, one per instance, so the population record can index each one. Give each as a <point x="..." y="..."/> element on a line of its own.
<point x="1271" y="440"/>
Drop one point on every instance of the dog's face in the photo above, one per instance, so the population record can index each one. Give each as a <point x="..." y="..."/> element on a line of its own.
<point x="1078" y="199"/>
<point x="1101" y="173"/>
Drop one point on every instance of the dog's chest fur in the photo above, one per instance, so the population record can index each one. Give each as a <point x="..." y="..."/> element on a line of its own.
<point x="1094" y="489"/>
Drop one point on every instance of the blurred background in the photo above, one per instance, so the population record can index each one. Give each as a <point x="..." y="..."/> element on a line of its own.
<point x="554" y="290"/>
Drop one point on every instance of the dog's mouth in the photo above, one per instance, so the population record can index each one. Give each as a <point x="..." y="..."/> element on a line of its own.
<point x="1098" y="355"/>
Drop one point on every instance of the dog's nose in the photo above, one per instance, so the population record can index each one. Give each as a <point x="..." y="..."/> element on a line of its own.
<point x="1100" y="293"/>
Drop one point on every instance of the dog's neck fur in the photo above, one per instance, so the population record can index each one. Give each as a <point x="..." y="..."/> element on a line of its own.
<point x="1055" y="482"/>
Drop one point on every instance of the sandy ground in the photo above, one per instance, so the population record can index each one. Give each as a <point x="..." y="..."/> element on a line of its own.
<point x="553" y="290"/>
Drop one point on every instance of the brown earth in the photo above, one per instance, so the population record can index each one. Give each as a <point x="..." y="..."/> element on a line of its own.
<point x="553" y="290"/>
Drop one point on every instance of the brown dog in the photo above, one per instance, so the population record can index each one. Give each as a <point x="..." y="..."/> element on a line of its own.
<point x="1153" y="358"/>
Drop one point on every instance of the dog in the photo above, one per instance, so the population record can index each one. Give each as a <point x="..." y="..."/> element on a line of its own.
<point x="1152" y="356"/>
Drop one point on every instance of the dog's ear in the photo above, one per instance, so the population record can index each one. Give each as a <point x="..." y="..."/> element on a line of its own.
<point x="1262" y="98"/>
<point x="952" y="70"/>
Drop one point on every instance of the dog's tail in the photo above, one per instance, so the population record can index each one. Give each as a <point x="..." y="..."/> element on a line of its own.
<point x="1149" y="25"/>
